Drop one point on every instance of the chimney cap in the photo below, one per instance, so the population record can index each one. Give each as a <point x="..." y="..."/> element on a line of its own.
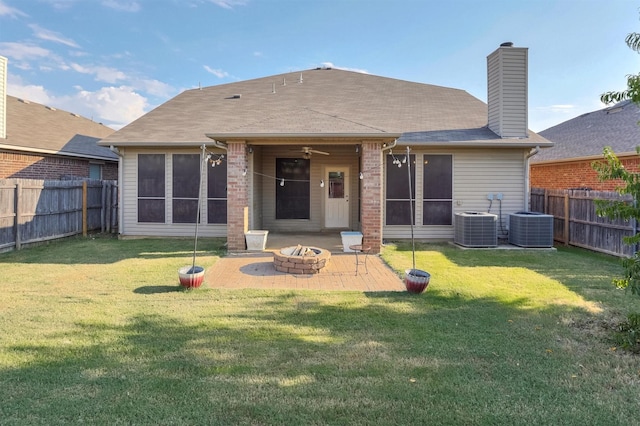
<point x="506" y="44"/>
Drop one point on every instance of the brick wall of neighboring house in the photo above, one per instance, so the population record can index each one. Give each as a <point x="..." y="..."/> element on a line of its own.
<point x="576" y="174"/>
<point x="29" y="166"/>
<point x="371" y="209"/>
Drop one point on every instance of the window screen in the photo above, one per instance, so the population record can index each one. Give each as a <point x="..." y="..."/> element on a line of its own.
<point x="217" y="193"/>
<point x="185" y="183"/>
<point x="151" y="188"/>
<point x="292" y="198"/>
<point x="398" y="204"/>
<point x="437" y="206"/>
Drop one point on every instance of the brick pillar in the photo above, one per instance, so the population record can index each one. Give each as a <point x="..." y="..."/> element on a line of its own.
<point x="237" y="196"/>
<point x="371" y="214"/>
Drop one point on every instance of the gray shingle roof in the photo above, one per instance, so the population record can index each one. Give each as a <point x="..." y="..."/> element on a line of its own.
<point x="326" y="101"/>
<point x="37" y="128"/>
<point x="585" y="136"/>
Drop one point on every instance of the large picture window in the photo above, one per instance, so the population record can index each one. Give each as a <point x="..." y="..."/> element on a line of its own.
<point x="151" y="188"/>
<point x="437" y="190"/>
<point x="217" y="193"/>
<point x="186" y="182"/>
<point x="292" y="198"/>
<point x="398" y="204"/>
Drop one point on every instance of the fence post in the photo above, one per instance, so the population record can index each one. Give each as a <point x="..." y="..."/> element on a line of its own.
<point x="566" y="219"/>
<point x="18" y="211"/>
<point x="545" y="202"/>
<point x="84" y="208"/>
<point x="103" y="207"/>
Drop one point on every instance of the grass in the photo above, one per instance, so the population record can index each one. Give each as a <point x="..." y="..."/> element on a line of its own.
<point x="97" y="331"/>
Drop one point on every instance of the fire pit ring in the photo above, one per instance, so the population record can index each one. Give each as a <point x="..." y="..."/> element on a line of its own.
<point x="301" y="259"/>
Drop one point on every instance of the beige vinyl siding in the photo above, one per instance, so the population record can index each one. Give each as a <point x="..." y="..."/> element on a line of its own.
<point x="507" y="91"/>
<point x="131" y="227"/>
<point x="339" y="155"/>
<point x="255" y="182"/>
<point x="476" y="173"/>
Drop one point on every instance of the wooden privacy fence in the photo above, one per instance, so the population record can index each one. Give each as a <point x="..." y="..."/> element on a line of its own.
<point x="576" y="222"/>
<point x="39" y="210"/>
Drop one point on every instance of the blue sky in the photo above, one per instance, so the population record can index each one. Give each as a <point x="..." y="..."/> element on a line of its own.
<point x="114" y="60"/>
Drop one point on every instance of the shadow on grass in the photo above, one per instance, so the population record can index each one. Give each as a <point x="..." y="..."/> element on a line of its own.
<point x="156" y="289"/>
<point x="297" y="358"/>
<point x="106" y="249"/>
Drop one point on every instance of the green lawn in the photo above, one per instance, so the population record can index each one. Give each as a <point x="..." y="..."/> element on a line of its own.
<point x="97" y="331"/>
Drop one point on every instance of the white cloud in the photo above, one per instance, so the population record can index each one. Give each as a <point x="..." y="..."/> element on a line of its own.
<point x="12" y="12"/>
<point x="217" y="72"/>
<point x="154" y="87"/>
<point x="124" y="6"/>
<point x="44" y="34"/>
<point x="114" y="106"/>
<point x="23" y="51"/>
<point x="117" y="105"/>
<point x="106" y="74"/>
<point x="228" y="4"/>
<point x="31" y="92"/>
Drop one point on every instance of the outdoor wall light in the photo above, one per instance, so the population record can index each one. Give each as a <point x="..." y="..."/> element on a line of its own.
<point x="322" y="184"/>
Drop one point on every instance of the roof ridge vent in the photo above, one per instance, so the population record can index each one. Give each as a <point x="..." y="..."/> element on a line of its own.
<point x="50" y="108"/>
<point x="24" y="101"/>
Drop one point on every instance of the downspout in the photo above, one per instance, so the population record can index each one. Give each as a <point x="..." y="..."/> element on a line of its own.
<point x="527" y="178"/>
<point x="393" y="145"/>
<point x="120" y="155"/>
<point x="219" y="144"/>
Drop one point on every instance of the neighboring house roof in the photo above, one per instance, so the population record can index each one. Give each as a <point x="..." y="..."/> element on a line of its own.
<point x="317" y="103"/>
<point x="32" y="127"/>
<point x="585" y="136"/>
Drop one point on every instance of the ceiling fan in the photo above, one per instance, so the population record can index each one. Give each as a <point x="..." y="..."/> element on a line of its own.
<point x="307" y="151"/>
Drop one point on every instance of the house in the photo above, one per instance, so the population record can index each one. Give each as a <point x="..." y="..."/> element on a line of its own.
<point x="580" y="141"/>
<point x="326" y="150"/>
<point x="42" y="142"/>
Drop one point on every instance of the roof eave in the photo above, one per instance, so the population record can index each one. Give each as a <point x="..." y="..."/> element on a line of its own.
<point x="53" y="152"/>
<point x="479" y="144"/>
<point x="290" y="137"/>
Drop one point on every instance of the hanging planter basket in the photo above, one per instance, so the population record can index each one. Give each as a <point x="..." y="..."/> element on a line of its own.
<point x="191" y="276"/>
<point x="416" y="280"/>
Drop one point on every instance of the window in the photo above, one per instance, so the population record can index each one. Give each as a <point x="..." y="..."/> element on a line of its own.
<point x="217" y="193"/>
<point x="398" y="204"/>
<point x="185" y="183"/>
<point x="292" y="198"/>
<point x="151" y="188"/>
<point x="437" y="190"/>
<point x="95" y="171"/>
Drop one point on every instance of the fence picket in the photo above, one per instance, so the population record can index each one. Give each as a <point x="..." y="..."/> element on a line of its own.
<point x="576" y="222"/>
<point x="40" y="210"/>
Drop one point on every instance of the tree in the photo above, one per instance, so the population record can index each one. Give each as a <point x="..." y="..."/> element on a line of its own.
<point x="613" y="169"/>
<point x="633" y="81"/>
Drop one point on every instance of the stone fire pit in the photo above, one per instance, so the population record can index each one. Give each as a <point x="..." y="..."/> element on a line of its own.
<point x="301" y="259"/>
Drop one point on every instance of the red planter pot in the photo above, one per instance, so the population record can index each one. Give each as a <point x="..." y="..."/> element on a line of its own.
<point x="191" y="276"/>
<point x="416" y="280"/>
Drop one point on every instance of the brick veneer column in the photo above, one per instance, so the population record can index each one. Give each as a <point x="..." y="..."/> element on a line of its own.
<point x="237" y="196"/>
<point x="371" y="214"/>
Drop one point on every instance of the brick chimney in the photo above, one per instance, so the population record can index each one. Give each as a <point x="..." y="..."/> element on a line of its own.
<point x="3" y="97"/>
<point x="507" y="93"/>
